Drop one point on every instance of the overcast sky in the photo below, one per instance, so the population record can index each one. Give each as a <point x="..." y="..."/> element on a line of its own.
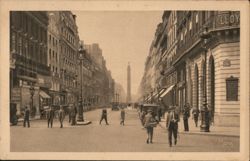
<point x="123" y="36"/>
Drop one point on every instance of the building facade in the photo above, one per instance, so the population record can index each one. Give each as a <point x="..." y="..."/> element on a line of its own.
<point x="198" y="69"/>
<point x="209" y="69"/>
<point x="54" y="55"/>
<point x="29" y="72"/>
<point x="102" y="84"/>
<point x="69" y="63"/>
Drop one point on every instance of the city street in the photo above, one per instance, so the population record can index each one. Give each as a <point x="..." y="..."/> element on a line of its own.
<point x="110" y="138"/>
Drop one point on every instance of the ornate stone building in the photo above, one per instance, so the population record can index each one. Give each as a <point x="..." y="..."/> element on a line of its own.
<point x="29" y="71"/>
<point x="209" y="70"/>
<point x="198" y="69"/>
<point x="69" y="65"/>
<point x="54" y="55"/>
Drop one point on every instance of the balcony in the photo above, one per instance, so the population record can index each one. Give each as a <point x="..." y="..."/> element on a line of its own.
<point x="30" y="64"/>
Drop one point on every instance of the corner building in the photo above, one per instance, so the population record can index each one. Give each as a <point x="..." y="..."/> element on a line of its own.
<point x="215" y="72"/>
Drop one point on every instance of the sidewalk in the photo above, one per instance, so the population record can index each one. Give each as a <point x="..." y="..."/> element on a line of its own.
<point x="214" y="130"/>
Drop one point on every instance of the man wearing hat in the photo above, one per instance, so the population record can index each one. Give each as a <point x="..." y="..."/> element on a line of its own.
<point x="186" y="115"/>
<point x="172" y="124"/>
<point x="149" y="124"/>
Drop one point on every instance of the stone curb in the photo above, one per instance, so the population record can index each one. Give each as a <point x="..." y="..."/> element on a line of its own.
<point x="203" y="133"/>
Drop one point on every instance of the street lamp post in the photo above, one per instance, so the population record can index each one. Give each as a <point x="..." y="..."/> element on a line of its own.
<point x="80" y="114"/>
<point x="151" y="97"/>
<point x="32" y="92"/>
<point x="205" y="125"/>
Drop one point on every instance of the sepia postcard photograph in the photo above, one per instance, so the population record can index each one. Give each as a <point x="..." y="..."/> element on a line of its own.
<point x="119" y="80"/>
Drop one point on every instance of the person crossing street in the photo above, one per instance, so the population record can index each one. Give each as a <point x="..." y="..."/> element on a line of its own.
<point x="122" y="116"/>
<point x="104" y="116"/>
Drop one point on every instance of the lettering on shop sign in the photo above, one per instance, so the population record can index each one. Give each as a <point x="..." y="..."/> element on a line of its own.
<point x="226" y="63"/>
<point x="16" y="95"/>
<point x="228" y="19"/>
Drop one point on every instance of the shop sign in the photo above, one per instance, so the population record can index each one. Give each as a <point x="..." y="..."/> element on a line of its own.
<point x="44" y="81"/>
<point x="228" y="19"/>
<point x="16" y="95"/>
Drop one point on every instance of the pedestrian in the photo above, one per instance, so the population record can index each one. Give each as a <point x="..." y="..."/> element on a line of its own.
<point x="73" y="113"/>
<point x="186" y="115"/>
<point x="172" y="124"/>
<point x="149" y="124"/>
<point x="61" y="114"/>
<point x="26" y="117"/>
<point x="195" y="113"/>
<point x="122" y="116"/>
<point x="104" y="116"/>
<point x="50" y="116"/>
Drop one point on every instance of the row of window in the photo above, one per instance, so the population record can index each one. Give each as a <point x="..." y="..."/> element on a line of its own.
<point x="53" y="55"/>
<point x="28" y="25"/>
<point x="68" y="52"/>
<point x="55" y="86"/>
<point x="52" y="40"/>
<point x="54" y="69"/>
<point x="68" y="36"/>
<point x="29" y="49"/>
<point x="69" y="82"/>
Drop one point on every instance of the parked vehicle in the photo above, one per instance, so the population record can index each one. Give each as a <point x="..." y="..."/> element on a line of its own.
<point x="115" y="106"/>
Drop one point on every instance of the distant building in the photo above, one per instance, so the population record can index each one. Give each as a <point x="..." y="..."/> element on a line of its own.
<point x="102" y="84"/>
<point x="119" y="95"/>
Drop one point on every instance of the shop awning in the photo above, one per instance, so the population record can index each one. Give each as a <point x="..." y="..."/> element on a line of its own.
<point x="43" y="94"/>
<point x="166" y="91"/>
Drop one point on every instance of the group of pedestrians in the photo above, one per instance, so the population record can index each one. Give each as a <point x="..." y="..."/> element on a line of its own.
<point x="149" y="121"/>
<point x="51" y="113"/>
<point x="104" y="116"/>
<point x="50" y="116"/>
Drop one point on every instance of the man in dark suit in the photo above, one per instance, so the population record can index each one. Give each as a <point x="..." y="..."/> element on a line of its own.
<point x="172" y="124"/>
<point x="186" y="115"/>
<point x="61" y="114"/>
<point x="104" y="116"/>
<point x="73" y="112"/>
<point x="26" y="117"/>
<point x="50" y="116"/>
